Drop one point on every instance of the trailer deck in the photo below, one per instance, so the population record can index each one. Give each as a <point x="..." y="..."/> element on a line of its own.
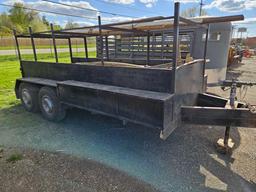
<point x="135" y="94"/>
<point x="155" y="85"/>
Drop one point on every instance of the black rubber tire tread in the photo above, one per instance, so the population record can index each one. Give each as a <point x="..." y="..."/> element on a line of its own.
<point x="59" y="112"/>
<point x="33" y="91"/>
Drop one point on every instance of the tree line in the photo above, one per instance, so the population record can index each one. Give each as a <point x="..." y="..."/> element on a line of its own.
<point x="21" y="19"/>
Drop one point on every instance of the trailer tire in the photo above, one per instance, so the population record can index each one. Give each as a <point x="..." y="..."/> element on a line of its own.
<point x="28" y="94"/>
<point x="50" y="105"/>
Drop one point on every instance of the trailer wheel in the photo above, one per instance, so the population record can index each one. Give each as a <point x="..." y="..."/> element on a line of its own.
<point x="29" y="97"/>
<point x="50" y="105"/>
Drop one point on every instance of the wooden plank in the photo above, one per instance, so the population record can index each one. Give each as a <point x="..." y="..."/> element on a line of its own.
<point x="143" y="54"/>
<point x="146" y="24"/>
<point x="39" y="81"/>
<point x="218" y="116"/>
<point x="139" y="110"/>
<point x="118" y="90"/>
<point x="141" y="61"/>
<point x="222" y="19"/>
<point x="157" y="80"/>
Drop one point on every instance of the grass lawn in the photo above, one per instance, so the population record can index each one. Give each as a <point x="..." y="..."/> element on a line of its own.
<point x="9" y="72"/>
<point x="90" y="45"/>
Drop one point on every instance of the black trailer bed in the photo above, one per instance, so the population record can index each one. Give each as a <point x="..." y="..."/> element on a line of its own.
<point x="119" y="90"/>
<point x="144" y="107"/>
<point x="96" y="86"/>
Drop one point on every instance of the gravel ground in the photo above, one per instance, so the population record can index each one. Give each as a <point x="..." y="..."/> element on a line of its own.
<point x="186" y="161"/>
<point x="50" y="172"/>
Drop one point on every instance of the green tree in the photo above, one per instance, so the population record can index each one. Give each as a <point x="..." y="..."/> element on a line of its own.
<point x="56" y="27"/>
<point x="45" y="21"/>
<point x="192" y="12"/>
<point x="6" y="25"/>
<point x="71" y="25"/>
<point x="37" y="25"/>
<point x="23" y="18"/>
<point x="20" y="19"/>
<point x="19" y="16"/>
<point x="31" y="15"/>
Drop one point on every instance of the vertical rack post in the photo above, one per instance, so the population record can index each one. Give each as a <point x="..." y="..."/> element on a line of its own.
<point x="205" y="53"/>
<point x="201" y="8"/>
<point x="86" y="48"/>
<point x="17" y="44"/>
<point x="226" y="136"/>
<point x="32" y="43"/>
<point x="148" y="46"/>
<point x="162" y="45"/>
<point x="70" y="49"/>
<point x="101" y="40"/>
<point x="54" y="44"/>
<point x="115" y="39"/>
<point x="132" y="44"/>
<point x="18" y="51"/>
<point x="175" y="45"/>
<point x="106" y="43"/>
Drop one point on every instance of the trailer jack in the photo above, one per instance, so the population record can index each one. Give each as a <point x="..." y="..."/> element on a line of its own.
<point x="214" y="110"/>
<point x="225" y="145"/>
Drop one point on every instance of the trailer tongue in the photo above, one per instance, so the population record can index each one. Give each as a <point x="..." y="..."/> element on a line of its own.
<point x="218" y="111"/>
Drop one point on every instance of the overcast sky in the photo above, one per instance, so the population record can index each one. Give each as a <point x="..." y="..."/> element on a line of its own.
<point x="140" y="8"/>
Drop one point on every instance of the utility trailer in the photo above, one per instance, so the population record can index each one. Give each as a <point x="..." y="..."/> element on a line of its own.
<point x="141" y="74"/>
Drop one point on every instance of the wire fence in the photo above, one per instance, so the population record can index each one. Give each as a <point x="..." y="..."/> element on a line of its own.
<point x="45" y="45"/>
<point x="9" y="42"/>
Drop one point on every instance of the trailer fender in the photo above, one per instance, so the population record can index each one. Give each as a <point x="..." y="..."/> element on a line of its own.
<point x="40" y="82"/>
<point x="16" y="89"/>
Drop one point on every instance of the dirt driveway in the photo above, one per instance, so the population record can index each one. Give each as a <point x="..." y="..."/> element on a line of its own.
<point x="187" y="161"/>
<point x="32" y="170"/>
